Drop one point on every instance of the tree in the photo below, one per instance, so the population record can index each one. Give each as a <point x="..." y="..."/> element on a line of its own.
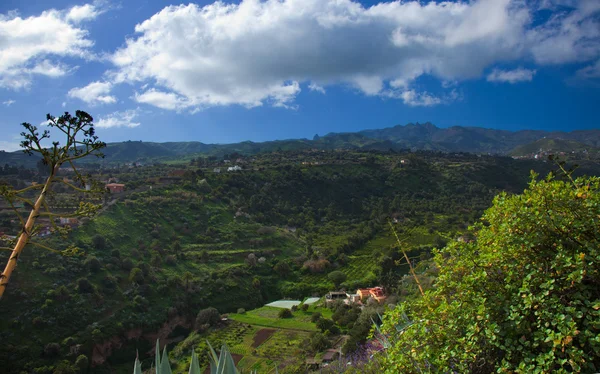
<point x="80" y="142"/>
<point x="285" y="313"/>
<point x="82" y="363"/>
<point x="93" y="264"/>
<point x="99" y="242"/>
<point x="84" y="286"/>
<point x="522" y="297"/>
<point x="337" y="277"/>
<point x="136" y="275"/>
<point x="318" y="342"/>
<point x="209" y="316"/>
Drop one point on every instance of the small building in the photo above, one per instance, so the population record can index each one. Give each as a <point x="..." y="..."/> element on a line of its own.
<point x="217" y="170"/>
<point x="331" y="355"/>
<point x="335" y="295"/>
<point x="374" y="292"/>
<point x="115" y="187"/>
<point x="352" y="298"/>
<point x="234" y="168"/>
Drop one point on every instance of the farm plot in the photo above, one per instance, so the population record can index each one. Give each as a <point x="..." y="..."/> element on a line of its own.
<point x="261" y="336"/>
<point x="268" y="317"/>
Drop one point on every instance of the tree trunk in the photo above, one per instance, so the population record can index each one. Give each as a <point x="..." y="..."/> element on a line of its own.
<point x="25" y="235"/>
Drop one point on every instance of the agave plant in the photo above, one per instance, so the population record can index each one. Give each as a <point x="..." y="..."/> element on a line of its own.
<point x="219" y="364"/>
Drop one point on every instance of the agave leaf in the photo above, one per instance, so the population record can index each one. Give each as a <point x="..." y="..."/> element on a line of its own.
<point x="137" y="367"/>
<point x="157" y="357"/>
<point x="213" y="359"/>
<point x="228" y="362"/>
<point x="194" y="365"/>
<point x="165" y="365"/>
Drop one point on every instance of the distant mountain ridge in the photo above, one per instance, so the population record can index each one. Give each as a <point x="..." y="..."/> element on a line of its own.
<point x="424" y="136"/>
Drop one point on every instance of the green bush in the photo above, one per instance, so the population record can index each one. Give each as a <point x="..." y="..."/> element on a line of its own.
<point x="209" y="316"/>
<point x="84" y="286"/>
<point x="285" y="313"/>
<point x="136" y="275"/>
<point x="93" y="264"/>
<point x="523" y="297"/>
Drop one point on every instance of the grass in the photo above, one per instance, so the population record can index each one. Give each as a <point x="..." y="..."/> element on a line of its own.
<point x="267" y="317"/>
<point x="284" y="346"/>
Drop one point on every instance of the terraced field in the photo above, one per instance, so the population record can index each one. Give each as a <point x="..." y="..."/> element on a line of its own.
<point x="262" y="339"/>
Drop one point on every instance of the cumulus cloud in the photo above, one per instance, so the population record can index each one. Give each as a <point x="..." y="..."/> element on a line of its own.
<point x="94" y="93"/>
<point x="8" y="102"/>
<point x="81" y="13"/>
<point x="511" y="76"/>
<point x="29" y="46"/>
<point x="119" y="119"/>
<point x="258" y="52"/>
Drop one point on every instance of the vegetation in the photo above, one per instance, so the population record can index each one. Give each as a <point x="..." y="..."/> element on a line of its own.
<point x="184" y="247"/>
<point x="80" y="142"/>
<point x="522" y="297"/>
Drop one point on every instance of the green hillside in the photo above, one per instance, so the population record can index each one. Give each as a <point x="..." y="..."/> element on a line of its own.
<point x="160" y="252"/>
<point x="554" y="146"/>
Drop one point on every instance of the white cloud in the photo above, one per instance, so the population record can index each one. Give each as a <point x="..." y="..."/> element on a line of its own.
<point x="49" y="69"/>
<point x="511" y="76"/>
<point x="568" y="36"/>
<point x="8" y="102"/>
<point x="414" y="98"/>
<point x="162" y="100"/>
<point x="28" y="46"/>
<point x="119" y="119"/>
<point x="316" y="88"/>
<point x="81" y="13"/>
<point x="258" y="52"/>
<point x="94" y="93"/>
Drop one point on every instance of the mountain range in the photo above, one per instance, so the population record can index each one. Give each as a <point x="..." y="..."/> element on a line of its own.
<point x="425" y="136"/>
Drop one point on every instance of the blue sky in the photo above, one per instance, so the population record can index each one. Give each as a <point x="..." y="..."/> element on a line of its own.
<point x="221" y="72"/>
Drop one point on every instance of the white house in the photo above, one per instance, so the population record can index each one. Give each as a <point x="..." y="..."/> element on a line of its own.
<point x="234" y="168"/>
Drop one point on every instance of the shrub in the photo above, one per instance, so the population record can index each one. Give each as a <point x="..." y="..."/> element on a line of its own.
<point x="109" y="282"/>
<point x="127" y="264"/>
<point x="241" y="311"/>
<point x="52" y="350"/>
<point x="84" y="286"/>
<point x="99" y="242"/>
<point x="318" y="342"/>
<point x="523" y="297"/>
<point x="170" y="260"/>
<point x="93" y="264"/>
<point x="337" y="277"/>
<point x="285" y="313"/>
<point x="304" y="307"/>
<point x="136" y="275"/>
<point x="315" y="317"/>
<point x="82" y="362"/>
<point x="208" y="316"/>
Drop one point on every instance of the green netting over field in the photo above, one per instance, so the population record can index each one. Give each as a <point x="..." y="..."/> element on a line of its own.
<point x="284" y="303"/>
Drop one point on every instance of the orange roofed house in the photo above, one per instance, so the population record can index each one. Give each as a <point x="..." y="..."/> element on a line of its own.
<point x="115" y="187"/>
<point x="375" y="292"/>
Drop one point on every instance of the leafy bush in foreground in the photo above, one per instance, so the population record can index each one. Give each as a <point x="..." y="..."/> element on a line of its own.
<point x="524" y="297"/>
